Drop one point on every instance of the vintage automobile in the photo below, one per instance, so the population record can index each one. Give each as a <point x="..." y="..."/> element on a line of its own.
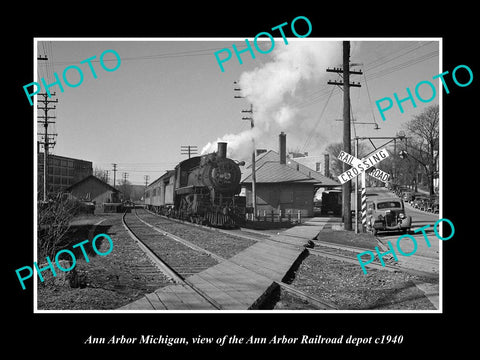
<point x="387" y="214"/>
<point x="420" y="202"/>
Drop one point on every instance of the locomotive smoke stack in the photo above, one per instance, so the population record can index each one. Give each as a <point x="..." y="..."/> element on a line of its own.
<point x="222" y="150"/>
<point x="282" y="147"/>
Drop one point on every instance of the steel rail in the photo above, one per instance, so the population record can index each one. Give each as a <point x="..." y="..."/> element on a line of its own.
<point x="166" y="268"/>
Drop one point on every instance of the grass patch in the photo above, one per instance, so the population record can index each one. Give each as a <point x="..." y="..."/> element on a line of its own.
<point x="349" y="238"/>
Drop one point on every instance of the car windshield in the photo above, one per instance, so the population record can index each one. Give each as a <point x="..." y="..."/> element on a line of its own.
<point x="389" y="204"/>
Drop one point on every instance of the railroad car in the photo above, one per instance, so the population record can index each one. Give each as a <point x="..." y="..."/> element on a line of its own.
<point x="332" y="202"/>
<point x="202" y="189"/>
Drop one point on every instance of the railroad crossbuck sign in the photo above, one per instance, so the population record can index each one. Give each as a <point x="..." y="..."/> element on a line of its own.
<point x="360" y="166"/>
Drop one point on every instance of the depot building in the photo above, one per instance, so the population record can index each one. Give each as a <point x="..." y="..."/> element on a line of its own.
<point x="283" y="184"/>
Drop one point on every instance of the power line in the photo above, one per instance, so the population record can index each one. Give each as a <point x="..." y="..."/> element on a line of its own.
<point x="48" y="138"/>
<point x="392" y="56"/>
<point x="310" y="136"/>
<point x="324" y="92"/>
<point x="175" y="54"/>
<point x="402" y="66"/>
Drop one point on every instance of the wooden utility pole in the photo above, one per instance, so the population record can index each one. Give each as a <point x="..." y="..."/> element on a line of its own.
<point x="114" y="174"/>
<point x="47" y="142"/>
<point x="347" y="147"/>
<point x="254" y="178"/>
<point x="252" y="125"/>
<point x="347" y="187"/>
<point x="188" y="150"/>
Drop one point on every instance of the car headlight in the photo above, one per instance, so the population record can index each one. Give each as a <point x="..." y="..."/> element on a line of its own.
<point x="401" y="216"/>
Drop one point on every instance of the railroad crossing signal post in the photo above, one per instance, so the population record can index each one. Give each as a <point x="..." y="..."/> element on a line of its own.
<point x="364" y="202"/>
<point x="346" y="186"/>
<point x="355" y="199"/>
<point x="359" y="167"/>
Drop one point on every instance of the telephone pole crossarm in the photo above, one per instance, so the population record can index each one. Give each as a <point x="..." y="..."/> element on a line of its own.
<point x="48" y="138"/>
<point x="345" y="73"/>
<point x="252" y="125"/>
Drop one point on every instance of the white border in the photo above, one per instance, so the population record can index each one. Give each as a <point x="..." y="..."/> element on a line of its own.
<point x="216" y="312"/>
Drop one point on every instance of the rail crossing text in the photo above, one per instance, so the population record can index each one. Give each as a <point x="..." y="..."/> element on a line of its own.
<point x="359" y="166"/>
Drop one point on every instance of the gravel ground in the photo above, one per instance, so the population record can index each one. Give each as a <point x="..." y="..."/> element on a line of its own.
<point x="344" y="285"/>
<point x="181" y="258"/>
<point x="125" y="274"/>
<point x="219" y="243"/>
<point x="107" y="282"/>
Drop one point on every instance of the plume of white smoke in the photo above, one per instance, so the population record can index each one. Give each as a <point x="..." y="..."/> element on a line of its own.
<point x="274" y="89"/>
<point x="240" y="146"/>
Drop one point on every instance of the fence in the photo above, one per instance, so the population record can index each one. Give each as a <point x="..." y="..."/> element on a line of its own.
<point x="286" y="216"/>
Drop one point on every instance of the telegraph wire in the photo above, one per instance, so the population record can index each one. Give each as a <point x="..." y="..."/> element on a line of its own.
<point x="185" y="53"/>
<point x="381" y="73"/>
<point x="310" y="136"/>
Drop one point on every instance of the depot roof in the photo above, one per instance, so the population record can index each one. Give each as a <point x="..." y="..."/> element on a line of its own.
<point x="269" y="170"/>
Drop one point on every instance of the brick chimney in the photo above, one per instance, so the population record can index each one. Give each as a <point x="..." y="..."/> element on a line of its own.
<point x="282" y="147"/>
<point x="327" y="165"/>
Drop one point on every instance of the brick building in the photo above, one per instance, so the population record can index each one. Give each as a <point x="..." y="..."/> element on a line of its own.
<point x="62" y="172"/>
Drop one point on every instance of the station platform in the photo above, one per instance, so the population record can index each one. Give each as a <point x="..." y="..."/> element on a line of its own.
<point x="241" y="282"/>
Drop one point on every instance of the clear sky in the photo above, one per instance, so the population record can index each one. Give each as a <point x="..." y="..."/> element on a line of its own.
<point x="168" y="93"/>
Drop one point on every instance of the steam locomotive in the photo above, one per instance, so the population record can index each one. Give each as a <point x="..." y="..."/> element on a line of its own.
<point x="202" y="189"/>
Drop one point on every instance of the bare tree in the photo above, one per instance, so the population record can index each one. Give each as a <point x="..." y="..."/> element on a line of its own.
<point x="125" y="188"/>
<point x="101" y="174"/>
<point x="53" y="220"/>
<point x="336" y="166"/>
<point x="423" y="143"/>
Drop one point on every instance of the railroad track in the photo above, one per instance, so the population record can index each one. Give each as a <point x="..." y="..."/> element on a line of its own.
<point x="172" y="257"/>
<point x="239" y="234"/>
<point x="242" y="233"/>
<point x="169" y="267"/>
<point x="333" y="251"/>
